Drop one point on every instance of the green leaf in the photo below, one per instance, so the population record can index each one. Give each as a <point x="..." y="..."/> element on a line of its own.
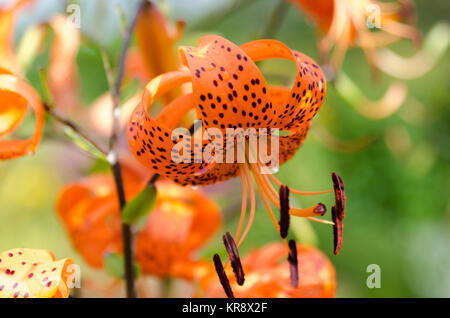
<point x="83" y="143"/>
<point x="140" y="206"/>
<point x="115" y="266"/>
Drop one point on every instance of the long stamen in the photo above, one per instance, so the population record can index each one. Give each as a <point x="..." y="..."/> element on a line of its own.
<point x="318" y="209"/>
<point x="278" y="183"/>
<point x="252" y="203"/>
<point x="244" y="203"/>
<point x="268" y="208"/>
<point x="320" y="221"/>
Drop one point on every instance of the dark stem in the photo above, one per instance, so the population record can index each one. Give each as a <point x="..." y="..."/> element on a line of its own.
<point x="127" y="235"/>
<point x="275" y="20"/>
<point x="121" y="70"/>
<point x="153" y="179"/>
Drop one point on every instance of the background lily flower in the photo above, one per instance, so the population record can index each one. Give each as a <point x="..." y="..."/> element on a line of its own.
<point x="15" y="96"/>
<point x="267" y="275"/>
<point x="32" y="273"/>
<point x="182" y="221"/>
<point x="156" y="53"/>
<point x="345" y="23"/>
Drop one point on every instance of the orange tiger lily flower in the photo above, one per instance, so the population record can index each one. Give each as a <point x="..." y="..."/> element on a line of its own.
<point x="267" y="275"/>
<point x="156" y="53"/>
<point x="15" y="95"/>
<point x="229" y="91"/>
<point x="182" y="220"/>
<point x="344" y="23"/>
<point x="31" y="273"/>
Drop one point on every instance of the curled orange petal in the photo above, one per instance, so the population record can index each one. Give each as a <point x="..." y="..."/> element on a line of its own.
<point x="15" y="94"/>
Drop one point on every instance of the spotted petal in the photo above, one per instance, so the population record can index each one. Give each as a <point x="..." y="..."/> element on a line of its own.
<point x="308" y="92"/>
<point x="34" y="273"/>
<point x="153" y="143"/>
<point x="288" y="144"/>
<point x="229" y="91"/>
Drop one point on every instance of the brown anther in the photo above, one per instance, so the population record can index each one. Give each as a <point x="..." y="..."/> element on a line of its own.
<point x="338" y="230"/>
<point x="235" y="260"/>
<point x="284" y="211"/>
<point x="339" y="194"/>
<point x="320" y="209"/>
<point x="293" y="263"/>
<point x="338" y="212"/>
<point x="222" y="276"/>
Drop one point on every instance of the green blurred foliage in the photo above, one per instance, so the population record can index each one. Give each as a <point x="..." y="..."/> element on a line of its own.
<point x="398" y="210"/>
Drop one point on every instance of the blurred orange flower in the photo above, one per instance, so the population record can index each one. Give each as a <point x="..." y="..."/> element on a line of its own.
<point x="350" y="22"/>
<point x="15" y="95"/>
<point x="156" y="53"/>
<point x="31" y="273"/>
<point x="182" y="221"/>
<point x="267" y="275"/>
